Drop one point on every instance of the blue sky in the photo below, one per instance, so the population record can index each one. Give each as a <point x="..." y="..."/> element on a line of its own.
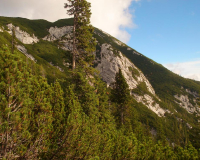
<point x="167" y="31"/>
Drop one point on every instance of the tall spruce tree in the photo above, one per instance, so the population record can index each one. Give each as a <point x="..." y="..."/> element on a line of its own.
<point x="120" y="95"/>
<point x="83" y="42"/>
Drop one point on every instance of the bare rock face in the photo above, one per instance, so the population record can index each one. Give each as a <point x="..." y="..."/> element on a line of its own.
<point x="1" y="30"/>
<point x="56" y="33"/>
<point x="23" y="36"/>
<point x="24" y="51"/>
<point x="60" y="69"/>
<point x="109" y="63"/>
<point x="67" y="45"/>
<point x="148" y="101"/>
<point x="119" y="42"/>
<point x="194" y="94"/>
<point x="184" y="102"/>
<point x="188" y="125"/>
<point x="63" y="34"/>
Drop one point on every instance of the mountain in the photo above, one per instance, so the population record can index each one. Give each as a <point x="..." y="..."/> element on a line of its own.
<point x="162" y="99"/>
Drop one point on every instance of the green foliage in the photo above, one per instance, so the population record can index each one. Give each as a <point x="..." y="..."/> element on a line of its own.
<point x="37" y="27"/>
<point x="121" y="96"/>
<point x="41" y="121"/>
<point x="24" y="115"/>
<point x="135" y="72"/>
<point x="83" y="41"/>
<point x="141" y="89"/>
<point x="74" y="115"/>
<point x="46" y="53"/>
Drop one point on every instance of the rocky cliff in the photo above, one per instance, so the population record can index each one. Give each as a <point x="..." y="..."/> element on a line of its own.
<point x="108" y="61"/>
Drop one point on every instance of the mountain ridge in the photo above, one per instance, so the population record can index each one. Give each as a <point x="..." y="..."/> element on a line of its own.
<point x="154" y="86"/>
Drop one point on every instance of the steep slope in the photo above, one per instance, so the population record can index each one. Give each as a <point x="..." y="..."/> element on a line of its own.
<point x="157" y="91"/>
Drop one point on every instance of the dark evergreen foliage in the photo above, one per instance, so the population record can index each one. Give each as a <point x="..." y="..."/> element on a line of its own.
<point x="83" y="41"/>
<point x="48" y="114"/>
<point x="41" y="121"/>
<point x="121" y="96"/>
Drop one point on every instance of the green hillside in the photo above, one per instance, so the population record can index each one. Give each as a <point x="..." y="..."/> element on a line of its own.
<point x="85" y="117"/>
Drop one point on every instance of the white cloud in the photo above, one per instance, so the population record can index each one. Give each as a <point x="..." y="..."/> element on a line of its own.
<point x="112" y="16"/>
<point x="33" y="9"/>
<point x="186" y="69"/>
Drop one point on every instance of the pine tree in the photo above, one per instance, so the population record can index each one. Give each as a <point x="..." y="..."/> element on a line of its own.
<point x="15" y="103"/>
<point x="83" y="42"/>
<point x="25" y="109"/>
<point x="121" y="95"/>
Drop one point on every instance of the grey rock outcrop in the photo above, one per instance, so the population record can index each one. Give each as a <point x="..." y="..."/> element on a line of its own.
<point x="188" y="125"/>
<point x="60" y="69"/>
<point x="56" y="33"/>
<point x="119" y="42"/>
<point x="23" y="36"/>
<point x="109" y="64"/>
<point x="63" y="34"/>
<point x="148" y="101"/>
<point x="1" y="30"/>
<point x="184" y="102"/>
<point x="24" y="51"/>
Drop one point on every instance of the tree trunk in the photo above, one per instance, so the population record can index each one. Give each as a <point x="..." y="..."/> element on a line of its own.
<point x="74" y="45"/>
<point x="122" y="117"/>
<point x="13" y="39"/>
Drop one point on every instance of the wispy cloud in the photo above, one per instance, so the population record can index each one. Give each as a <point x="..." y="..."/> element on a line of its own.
<point x="112" y="16"/>
<point x="189" y="69"/>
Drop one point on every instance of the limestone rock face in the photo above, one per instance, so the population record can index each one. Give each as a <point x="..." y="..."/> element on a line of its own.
<point x="148" y="101"/>
<point x="109" y="62"/>
<point x="56" y="66"/>
<point x="184" y="102"/>
<point x="63" y="34"/>
<point x="1" y="30"/>
<point x="23" y="36"/>
<point x="24" y="51"/>
<point x="56" y="33"/>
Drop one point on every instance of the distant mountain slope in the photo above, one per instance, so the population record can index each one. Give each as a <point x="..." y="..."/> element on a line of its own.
<point x="160" y="95"/>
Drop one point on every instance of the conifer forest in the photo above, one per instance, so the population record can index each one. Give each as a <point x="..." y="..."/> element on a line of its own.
<point x="52" y="114"/>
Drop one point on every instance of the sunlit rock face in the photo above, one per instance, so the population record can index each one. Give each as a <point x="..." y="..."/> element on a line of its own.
<point x="1" y="29"/>
<point x="63" y="34"/>
<point x="23" y="36"/>
<point x="24" y="51"/>
<point x="110" y="61"/>
<point x="149" y="101"/>
<point x="185" y="103"/>
<point x="56" y="33"/>
<point x="109" y="64"/>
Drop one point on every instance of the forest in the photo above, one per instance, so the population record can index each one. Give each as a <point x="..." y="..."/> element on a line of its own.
<point x="78" y="116"/>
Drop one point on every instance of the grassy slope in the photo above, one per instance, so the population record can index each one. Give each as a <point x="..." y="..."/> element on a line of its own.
<point x="165" y="83"/>
<point x="161" y="78"/>
<point x="37" y="27"/>
<point x="44" y="51"/>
